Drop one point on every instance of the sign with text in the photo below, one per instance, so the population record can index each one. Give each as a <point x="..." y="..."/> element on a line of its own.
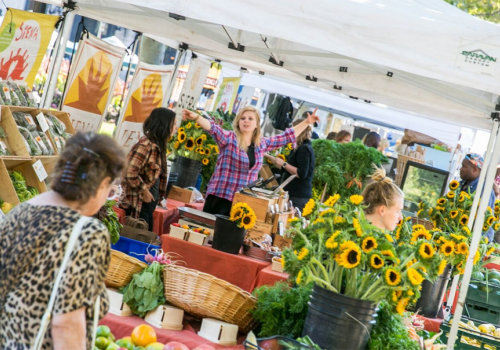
<point x="91" y="82"/>
<point x="24" y="38"/>
<point x="147" y="92"/>
<point x="193" y="85"/>
<point x="227" y="94"/>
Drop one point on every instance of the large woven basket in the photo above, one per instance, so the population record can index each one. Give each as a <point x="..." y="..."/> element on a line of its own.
<point x="204" y="295"/>
<point x="121" y="269"/>
<point x="401" y="165"/>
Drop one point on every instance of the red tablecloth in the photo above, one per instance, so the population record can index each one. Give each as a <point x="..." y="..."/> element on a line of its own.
<point x="235" y="269"/>
<point x="121" y="214"/>
<point x="123" y="327"/>
<point x="197" y="206"/>
<point x="268" y="277"/>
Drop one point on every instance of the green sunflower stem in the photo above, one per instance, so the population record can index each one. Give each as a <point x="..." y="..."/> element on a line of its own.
<point x="324" y="284"/>
<point x="378" y="294"/>
<point x="373" y="286"/>
<point x="364" y="281"/>
<point x="408" y="259"/>
<point x="321" y="267"/>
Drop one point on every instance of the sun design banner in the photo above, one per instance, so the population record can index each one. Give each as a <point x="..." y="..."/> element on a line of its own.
<point x="91" y="82"/>
<point x="147" y="92"/>
<point x="24" y="37"/>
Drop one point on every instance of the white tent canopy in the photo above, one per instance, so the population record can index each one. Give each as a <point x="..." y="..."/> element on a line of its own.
<point x="423" y="44"/>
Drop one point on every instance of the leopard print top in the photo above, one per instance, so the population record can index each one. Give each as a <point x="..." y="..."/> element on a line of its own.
<point x="32" y="243"/>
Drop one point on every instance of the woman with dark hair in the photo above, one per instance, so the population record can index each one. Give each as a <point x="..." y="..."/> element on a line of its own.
<point x="84" y="177"/>
<point x="343" y="136"/>
<point x="145" y="182"/>
<point x="372" y="139"/>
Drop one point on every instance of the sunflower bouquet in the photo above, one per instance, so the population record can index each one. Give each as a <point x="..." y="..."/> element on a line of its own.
<point x="341" y="251"/>
<point x="243" y="216"/>
<point x="283" y="153"/>
<point x="451" y="235"/>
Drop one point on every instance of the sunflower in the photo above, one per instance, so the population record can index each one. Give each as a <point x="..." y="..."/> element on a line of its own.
<point x="205" y="161"/>
<point x="309" y="207"/>
<point x="439" y="208"/>
<point x="415" y="277"/>
<point x="490" y="220"/>
<point x="292" y="220"/>
<point x="454" y="185"/>
<point x="464" y="219"/>
<point x="368" y="244"/>
<point x="248" y="221"/>
<point x="300" y="275"/>
<point x="376" y="261"/>
<point x="441" y="201"/>
<point x="477" y="257"/>
<point x="357" y="227"/>
<point x="388" y="253"/>
<point x="418" y="227"/>
<point x="199" y="141"/>
<point x="356" y="199"/>
<point x="450" y="195"/>
<point x="485" y="227"/>
<point x="448" y="248"/>
<point x="189" y="144"/>
<point x="332" y="200"/>
<point x="339" y="220"/>
<point x="460" y="268"/>
<point x="189" y="125"/>
<point x="176" y="144"/>
<point x="398" y="233"/>
<point x="199" y="150"/>
<point x="389" y="238"/>
<point x="419" y="212"/>
<point x="350" y="257"/>
<point x="197" y="126"/>
<point x="207" y="151"/>
<point x="303" y="253"/>
<point x="408" y="218"/>
<point x="488" y="208"/>
<point x="318" y="221"/>
<point x="458" y="237"/>
<point x="490" y="251"/>
<point x="442" y="266"/>
<point x="282" y="157"/>
<point x="453" y="214"/>
<point x="497" y="210"/>
<point x="496" y="227"/>
<point x="462" y="248"/>
<point x="330" y="242"/>
<point x="401" y="307"/>
<point x="426" y="250"/>
<point x="420" y="234"/>
<point x="410" y="293"/>
<point x="430" y="211"/>
<point x="237" y="212"/>
<point x="466" y="230"/>
<point x="181" y="136"/>
<point x="327" y="212"/>
<point x="392" y="276"/>
<point x="461" y="199"/>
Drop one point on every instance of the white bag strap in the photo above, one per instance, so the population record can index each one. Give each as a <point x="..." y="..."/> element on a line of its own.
<point x="53" y="296"/>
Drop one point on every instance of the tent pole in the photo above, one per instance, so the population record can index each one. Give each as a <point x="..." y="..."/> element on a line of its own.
<point x="65" y="32"/>
<point x="483" y="192"/>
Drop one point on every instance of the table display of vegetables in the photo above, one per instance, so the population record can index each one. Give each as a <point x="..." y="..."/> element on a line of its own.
<point x="15" y="94"/>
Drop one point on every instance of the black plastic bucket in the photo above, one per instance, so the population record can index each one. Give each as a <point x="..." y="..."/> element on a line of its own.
<point x="432" y="295"/>
<point x="335" y="321"/>
<point x="187" y="170"/>
<point x="172" y="179"/>
<point x="227" y="236"/>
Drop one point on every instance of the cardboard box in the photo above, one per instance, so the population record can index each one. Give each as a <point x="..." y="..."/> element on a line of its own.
<point x="218" y="332"/>
<point x="259" y="204"/>
<point x="179" y="232"/>
<point x="181" y="194"/>
<point x="276" y="265"/>
<point x="282" y="242"/>
<point x="197" y="238"/>
<point x="259" y="230"/>
<point x="166" y="317"/>
<point x="116" y="304"/>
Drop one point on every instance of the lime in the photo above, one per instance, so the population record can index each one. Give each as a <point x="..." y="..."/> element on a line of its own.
<point x="112" y="337"/>
<point x="139" y="348"/>
<point x="103" y="331"/>
<point x="113" y="346"/>
<point x="124" y="343"/>
<point x="102" y="342"/>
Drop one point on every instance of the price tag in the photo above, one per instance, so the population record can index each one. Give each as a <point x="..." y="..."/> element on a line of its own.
<point x="30" y="120"/>
<point x="3" y="146"/>
<point x="58" y="143"/>
<point x="40" y="143"/>
<point x="42" y="121"/>
<point x="40" y="170"/>
<point x="6" y="91"/>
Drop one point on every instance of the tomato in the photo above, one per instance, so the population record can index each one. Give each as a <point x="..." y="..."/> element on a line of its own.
<point x="143" y="335"/>
<point x="103" y="331"/>
<point x="176" y="224"/>
<point x="174" y="345"/>
<point x="102" y="342"/>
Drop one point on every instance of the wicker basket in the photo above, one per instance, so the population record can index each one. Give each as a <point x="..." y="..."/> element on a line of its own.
<point x="121" y="269"/>
<point x="401" y="165"/>
<point x="204" y="295"/>
<point x="427" y="224"/>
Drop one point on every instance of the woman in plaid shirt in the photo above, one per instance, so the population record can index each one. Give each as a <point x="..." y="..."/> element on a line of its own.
<point x="241" y="153"/>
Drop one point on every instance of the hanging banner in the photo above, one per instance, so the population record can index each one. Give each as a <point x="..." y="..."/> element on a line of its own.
<point x="93" y="76"/>
<point x="244" y="98"/>
<point x="147" y="92"/>
<point x="24" y="37"/>
<point x="227" y="93"/>
<point x="193" y="85"/>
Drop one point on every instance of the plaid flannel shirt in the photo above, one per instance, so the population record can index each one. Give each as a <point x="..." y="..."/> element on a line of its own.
<point x="232" y="170"/>
<point x="143" y="170"/>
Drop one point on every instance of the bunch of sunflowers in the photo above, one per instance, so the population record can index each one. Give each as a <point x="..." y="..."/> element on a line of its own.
<point x="451" y="235"/>
<point x="341" y="251"/>
<point x="243" y="216"/>
<point x="282" y="153"/>
<point x="194" y="143"/>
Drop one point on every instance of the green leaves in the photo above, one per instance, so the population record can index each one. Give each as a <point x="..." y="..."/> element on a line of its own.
<point x="145" y="292"/>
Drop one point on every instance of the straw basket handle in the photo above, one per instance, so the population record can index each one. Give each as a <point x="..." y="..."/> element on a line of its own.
<point x="53" y="296"/>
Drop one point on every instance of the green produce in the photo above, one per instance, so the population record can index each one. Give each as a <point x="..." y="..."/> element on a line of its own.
<point x="478" y="276"/>
<point x="390" y="333"/>
<point x="15" y="91"/>
<point x="32" y="146"/>
<point x="5" y="95"/>
<point x="145" y="292"/>
<point x="19" y="182"/>
<point x="493" y="274"/>
<point x="281" y="310"/>
<point x="494" y="281"/>
<point x="124" y="343"/>
<point x="305" y="341"/>
<point x="109" y="217"/>
<point x="3" y="147"/>
<point x="23" y="90"/>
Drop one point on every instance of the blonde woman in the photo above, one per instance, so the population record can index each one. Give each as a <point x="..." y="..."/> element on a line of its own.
<point x="300" y="162"/>
<point x="240" y="154"/>
<point x="385" y="201"/>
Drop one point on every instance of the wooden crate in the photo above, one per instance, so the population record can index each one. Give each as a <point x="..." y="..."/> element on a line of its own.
<point x="283" y="218"/>
<point x="8" y="193"/>
<point x="260" y="229"/>
<point x="49" y="163"/>
<point x="282" y="242"/>
<point x="259" y="204"/>
<point x="25" y="167"/>
<point x="63" y="117"/>
<point x="14" y="141"/>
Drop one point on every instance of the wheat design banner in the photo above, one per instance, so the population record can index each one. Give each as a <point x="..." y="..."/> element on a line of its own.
<point x="147" y="92"/>
<point x="91" y="82"/>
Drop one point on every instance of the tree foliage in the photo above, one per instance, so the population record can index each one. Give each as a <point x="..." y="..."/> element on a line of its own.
<point x="489" y="10"/>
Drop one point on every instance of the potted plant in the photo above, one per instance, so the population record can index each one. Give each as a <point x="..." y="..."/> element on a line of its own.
<point x="354" y="266"/>
<point x="230" y="231"/>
